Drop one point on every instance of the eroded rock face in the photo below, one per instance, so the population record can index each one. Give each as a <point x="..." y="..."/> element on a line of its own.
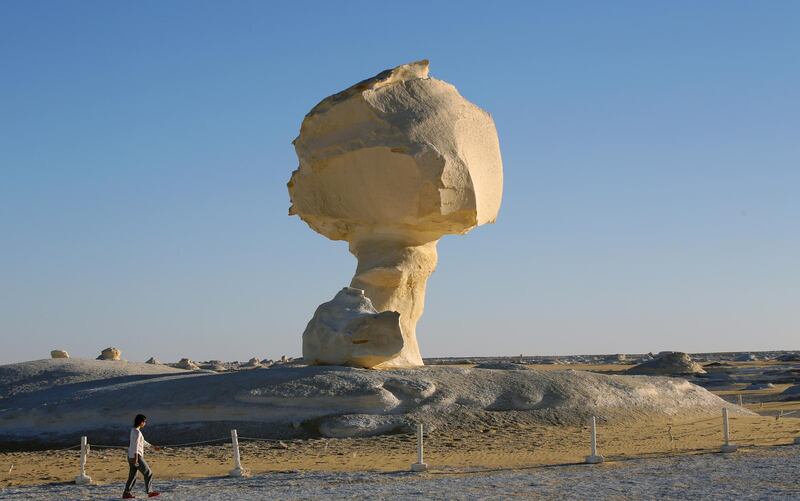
<point x="348" y="330"/>
<point x="110" y="353"/>
<point x="59" y="354"/>
<point x="391" y="165"/>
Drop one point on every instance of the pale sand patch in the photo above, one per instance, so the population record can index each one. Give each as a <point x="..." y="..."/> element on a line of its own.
<point x="506" y="445"/>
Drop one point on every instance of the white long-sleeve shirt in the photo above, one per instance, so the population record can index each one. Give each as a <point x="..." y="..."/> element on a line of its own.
<point x="137" y="443"/>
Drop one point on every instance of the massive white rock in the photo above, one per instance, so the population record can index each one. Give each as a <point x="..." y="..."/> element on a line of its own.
<point x="348" y="330"/>
<point x="391" y="165"/>
<point x="59" y="354"/>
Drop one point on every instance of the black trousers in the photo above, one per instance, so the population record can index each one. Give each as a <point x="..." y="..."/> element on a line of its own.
<point x="147" y="473"/>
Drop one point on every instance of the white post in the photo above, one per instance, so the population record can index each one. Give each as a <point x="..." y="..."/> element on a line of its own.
<point x="740" y="400"/>
<point x="726" y="446"/>
<point x="420" y="465"/>
<point x="594" y="458"/>
<point x="83" y="478"/>
<point x="237" y="470"/>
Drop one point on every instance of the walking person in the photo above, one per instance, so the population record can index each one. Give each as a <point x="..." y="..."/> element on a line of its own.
<point x="136" y="459"/>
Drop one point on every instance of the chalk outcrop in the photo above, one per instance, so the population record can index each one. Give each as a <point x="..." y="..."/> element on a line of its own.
<point x="390" y="165"/>
<point x="668" y="364"/>
<point x="294" y="402"/>
<point x="252" y="363"/>
<point x="59" y="354"/>
<point x="214" y="365"/>
<point x="348" y="330"/>
<point x="110" y="353"/>
<point x="187" y="364"/>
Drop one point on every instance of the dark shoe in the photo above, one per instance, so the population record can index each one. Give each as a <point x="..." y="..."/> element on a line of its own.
<point x="153" y="494"/>
<point x="128" y="495"/>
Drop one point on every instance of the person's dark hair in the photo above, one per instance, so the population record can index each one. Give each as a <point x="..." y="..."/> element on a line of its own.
<point x="139" y="419"/>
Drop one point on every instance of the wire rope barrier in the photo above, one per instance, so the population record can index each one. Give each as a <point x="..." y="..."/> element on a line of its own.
<point x="738" y="430"/>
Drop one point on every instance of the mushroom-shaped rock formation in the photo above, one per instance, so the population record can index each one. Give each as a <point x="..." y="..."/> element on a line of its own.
<point x="391" y="165"/>
<point x="348" y="330"/>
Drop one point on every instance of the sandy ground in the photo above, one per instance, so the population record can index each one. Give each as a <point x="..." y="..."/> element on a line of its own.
<point x="750" y="474"/>
<point x="459" y="448"/>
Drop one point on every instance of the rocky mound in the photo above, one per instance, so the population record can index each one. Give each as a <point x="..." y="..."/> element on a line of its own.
<point x="791" y="393"/>
<point x="47" y="374"/>
<point x="668" y="364"/>
<point x="296" y="401"/>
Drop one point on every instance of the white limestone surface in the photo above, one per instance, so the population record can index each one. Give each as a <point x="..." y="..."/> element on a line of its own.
<point x="53" y="402"/>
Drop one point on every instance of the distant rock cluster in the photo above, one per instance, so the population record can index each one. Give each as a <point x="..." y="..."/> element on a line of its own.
<point x="186" y="363"/>
<point x="115" y="354"/>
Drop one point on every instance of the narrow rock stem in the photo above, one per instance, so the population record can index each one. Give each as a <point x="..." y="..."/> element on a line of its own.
<point x="393" y="273"/>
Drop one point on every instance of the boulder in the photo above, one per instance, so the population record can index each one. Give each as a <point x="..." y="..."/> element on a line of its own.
<point x="110" y="353"/>
<point x="390" y="165"/>
<point x="668" y="364"/>
<point x="59" y="354"/>
<point x="349" y="331"/>
<point x="153" y="360"/>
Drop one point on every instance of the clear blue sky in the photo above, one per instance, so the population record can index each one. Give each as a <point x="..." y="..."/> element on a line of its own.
<point x="651" y="152"/>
